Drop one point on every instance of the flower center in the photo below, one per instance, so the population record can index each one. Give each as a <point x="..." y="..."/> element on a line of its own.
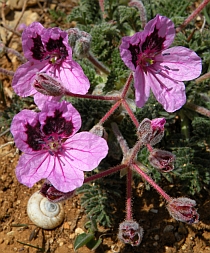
<point x="53" y="144"/>
<point x="145" y="60"/>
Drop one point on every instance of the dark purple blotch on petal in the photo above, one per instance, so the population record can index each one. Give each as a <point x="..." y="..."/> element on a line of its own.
<point x="58" y="124"/>
<point x="34" y="136"/>
<point x="135" y="50"/>
<point x="153" y="42"/>
<point x="38" y="48"/>
<point x="58" y="46"/>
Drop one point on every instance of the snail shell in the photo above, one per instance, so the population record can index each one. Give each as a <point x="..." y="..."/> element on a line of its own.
<point x="43" y="213"/>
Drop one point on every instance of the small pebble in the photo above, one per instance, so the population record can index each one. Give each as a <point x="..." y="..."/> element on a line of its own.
<point x="156" y="237"/>
<point x="61" y="244"/>
<point x="168" y="228"/>
<point x="72" y="236"/>
<point x="79" y="231"/>
<point x="155" y="244"/>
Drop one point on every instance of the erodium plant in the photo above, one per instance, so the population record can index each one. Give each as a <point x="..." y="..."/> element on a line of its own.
<point x="52" y="147"/>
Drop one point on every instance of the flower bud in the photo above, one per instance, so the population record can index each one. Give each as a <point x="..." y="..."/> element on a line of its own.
<point x="52" y="194"/>
<point x="162" y="160"/>
<point x="82" y="47"/>
<point x="100" y="131"/>
<point x="130" y="232"/>
<point x="73" y="35"/>
<point x="145" y="131"/>
<point x="151" y="131"/>
<point x="182" y="209"/>
<point x="157" y="130"/>
<point x="47" y="85"/>
<point x="21" y="27"/>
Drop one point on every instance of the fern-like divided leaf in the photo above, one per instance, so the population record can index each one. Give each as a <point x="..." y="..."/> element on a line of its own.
<point x="100" y="199"/>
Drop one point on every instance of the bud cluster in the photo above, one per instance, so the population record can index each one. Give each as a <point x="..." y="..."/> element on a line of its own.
<point x="79" y="41"/>
<point x="150" y="132"/>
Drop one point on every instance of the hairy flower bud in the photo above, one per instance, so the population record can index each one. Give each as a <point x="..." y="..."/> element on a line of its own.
<point x="82" y="47"/>
<point x="47" y="85"/>
<point x="182" y="209"/>
<point x="145" y="131"/>
<point x="157" y="130"/>
<point x="162" y="160"/>
<point x="54" y="195"/>
<point x="151" y="131"/>
<point x="73" y="35"/>
<point x="100" y="131"/>
<point x="79" y="41"/>
<point x="130" y="232"/>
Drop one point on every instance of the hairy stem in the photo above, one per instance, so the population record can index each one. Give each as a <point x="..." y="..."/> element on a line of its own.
<point x="105" y="173"/>
<point x="90" y="96"/>
<point x="151" y="182"/>
<point x="120" y="139"/>
<point x="129" y="215"/>
<point x="198" y="109"/>
<point x="192" y="15"/>
<point x="129" y="111"/>
<point x="100" y="66"/>
<point x="127" y="85"/>
<point x="7" y="72"/>
<point x="110" y="112"/>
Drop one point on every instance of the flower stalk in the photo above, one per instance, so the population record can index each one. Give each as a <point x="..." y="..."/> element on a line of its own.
<point x="151" y="182"/>
<point x="100" y="66"/>
<point x="129" y="215"/>
<point x="192" y="15"/>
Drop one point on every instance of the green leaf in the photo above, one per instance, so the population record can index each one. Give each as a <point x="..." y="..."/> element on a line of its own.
<point x="93" y="244"/>
<point x="82" y="240"/>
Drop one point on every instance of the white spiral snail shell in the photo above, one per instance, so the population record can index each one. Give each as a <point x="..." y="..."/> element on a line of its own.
<point x="43" y="213"/>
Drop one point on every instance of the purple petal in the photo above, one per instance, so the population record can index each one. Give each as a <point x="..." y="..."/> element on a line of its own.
<point x="165" y="29"/>
<point x="24" y="77"/>
<point x="27" y="38"/>
<point x="125" y="53"/>
<point x="64" y="176"/>
<point x="68" y="112"/>
<point x="41" y="99"/>
<point x="168" y="92"/>
<point x="142" y="87"/>
<point x="85" y="151"/>
<point x="184" y="64"/>
<point x="73" y="78"/>
<point x="34" y="167"/>
<point x="18" y="128"/>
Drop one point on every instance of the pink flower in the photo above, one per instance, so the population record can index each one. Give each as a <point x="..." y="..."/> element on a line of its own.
<point x="182" y="209"/>
<point x="48" y="51"/>
<point x="52" y="148"/>
<point x="157" y="67"/>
